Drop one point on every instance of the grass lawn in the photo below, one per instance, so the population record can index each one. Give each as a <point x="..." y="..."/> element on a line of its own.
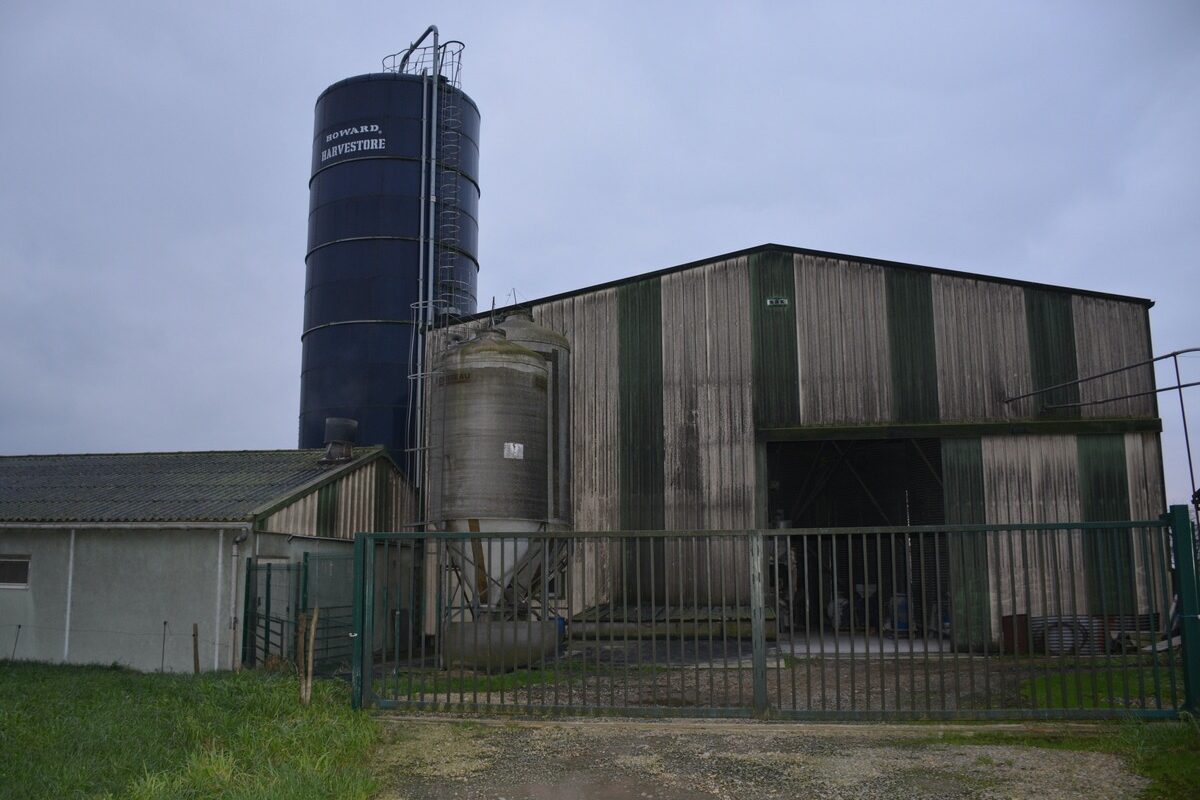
<point x="99" y="732"/>
<point x="1168" y="753"/>
<point x="1133" y="687"/>
<point x="85" y="732"/>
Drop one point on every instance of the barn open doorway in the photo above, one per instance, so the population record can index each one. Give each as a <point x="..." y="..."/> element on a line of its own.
<point x="890" y="586"/>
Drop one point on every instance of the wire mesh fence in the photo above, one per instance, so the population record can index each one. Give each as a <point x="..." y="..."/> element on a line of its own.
<point x="1049" y="620"/>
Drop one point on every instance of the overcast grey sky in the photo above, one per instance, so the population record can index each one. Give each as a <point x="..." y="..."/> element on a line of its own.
<point x="155" y="157"/>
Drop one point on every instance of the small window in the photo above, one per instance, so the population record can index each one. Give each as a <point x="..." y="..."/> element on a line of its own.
<point x="14" y="572"/>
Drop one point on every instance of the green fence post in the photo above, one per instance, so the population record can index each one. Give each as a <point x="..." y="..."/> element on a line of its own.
<point x="356" y="651"/>
<point x="366" y="638"/>
<point x="1189" y="604"/>
<point x="758" y="634"/>
<point x="248" y="613"/>
<point x="304" y="582"/>
<point x="269" y="609"/>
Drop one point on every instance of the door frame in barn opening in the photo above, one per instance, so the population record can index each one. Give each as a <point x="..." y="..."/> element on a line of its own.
<point x="894" y="584"/>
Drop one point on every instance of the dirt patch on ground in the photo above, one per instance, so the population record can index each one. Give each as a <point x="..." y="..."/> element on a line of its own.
<point x="425" y="759"/>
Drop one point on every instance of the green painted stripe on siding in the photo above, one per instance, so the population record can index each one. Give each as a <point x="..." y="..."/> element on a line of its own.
<point x="962" y="480"/>
<point x="912" y="345"/>
<point x="383" y="497"/>
<point x="640" y="439"/>
<point x="327" y="508"/>
<point x="1104" y="497"/>
<point x="773" y="340"/>
<point x="1051" y="326"/>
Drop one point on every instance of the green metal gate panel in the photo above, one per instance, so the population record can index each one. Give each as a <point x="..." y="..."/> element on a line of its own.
<point x="680" y="654"/>
<point x="773" y="322"/>
<point x="1104" y="495"/>
<point x="1052" y="357"/>
<point x="962" y="475"/>
<point x="912" y="346"/>
<point x="639" y="314"/>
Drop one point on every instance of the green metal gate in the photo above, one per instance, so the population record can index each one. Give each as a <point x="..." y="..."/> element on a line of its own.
<point x="1060" y="620"/>
<point x="278" y="593"/>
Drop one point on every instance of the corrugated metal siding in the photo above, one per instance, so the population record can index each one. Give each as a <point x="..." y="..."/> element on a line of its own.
<point x="1143" y="459"/>
<point x="842" y="334"/>
<point x="590" y="323"/>
<point x="774" y="342"/>
<point x="1052" y="349"/>
<point x="714" y="349"/>
<point x="1144" y="466"/>
<point x="639" y="311"/>
<point x="1030" y="479"/>
<point x="962" y="483"/>
<point x="406" y="512"/>
<point x="299" y="517"/>
<point x="1104" y="496"/>
<point x="707" y="398"/>
<point x="982" y="348"/>
<point x="911" y="343"/>
<point x="356" y="503"/>
<point x="1109" y="334"/>
<point x="349" y="505"/>
<point x="327" y="508"/>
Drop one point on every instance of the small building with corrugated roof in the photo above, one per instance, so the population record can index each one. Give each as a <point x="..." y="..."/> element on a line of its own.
<point x="113" y="558"/>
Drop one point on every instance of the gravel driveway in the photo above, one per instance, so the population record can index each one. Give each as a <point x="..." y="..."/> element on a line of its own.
<point x="674" y="760"/>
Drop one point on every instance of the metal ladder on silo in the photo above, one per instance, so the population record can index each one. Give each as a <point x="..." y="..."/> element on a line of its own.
<point x="450" y="291"/>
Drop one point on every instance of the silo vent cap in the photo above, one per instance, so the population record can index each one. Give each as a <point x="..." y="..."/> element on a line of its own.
<point x="340" y="434"/>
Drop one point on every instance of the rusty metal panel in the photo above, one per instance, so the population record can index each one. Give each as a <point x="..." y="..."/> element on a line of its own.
<point x="842" y="330"/>
<point x="1111" y="334"/>
<point x="707" y="398"/>
<point x="982" y="349"/>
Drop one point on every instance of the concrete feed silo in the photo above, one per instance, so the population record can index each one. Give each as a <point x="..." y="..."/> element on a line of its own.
<point x="488" y="437"/>
<point x="520" y="328"/>
<point x="392" y="240"/>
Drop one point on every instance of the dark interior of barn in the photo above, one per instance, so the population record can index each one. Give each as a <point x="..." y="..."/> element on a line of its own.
<point x="862" y="583"/>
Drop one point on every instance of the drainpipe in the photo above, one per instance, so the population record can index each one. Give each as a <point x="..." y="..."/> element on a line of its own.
<point x="70" y="592"/>
<point x="235" y="651"/>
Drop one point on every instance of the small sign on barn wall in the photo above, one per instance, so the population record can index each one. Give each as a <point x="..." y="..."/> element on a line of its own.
<point x="514" y="450"/>
<point x="777" y="301"/>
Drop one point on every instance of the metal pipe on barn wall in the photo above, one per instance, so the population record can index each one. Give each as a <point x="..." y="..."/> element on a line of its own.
<point x="70" y="591"/>
<point x="234" y="650"/>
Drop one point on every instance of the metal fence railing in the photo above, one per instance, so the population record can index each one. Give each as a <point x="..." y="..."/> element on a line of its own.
<point x="277" y="594"/>
<point x="969" y="621"/>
